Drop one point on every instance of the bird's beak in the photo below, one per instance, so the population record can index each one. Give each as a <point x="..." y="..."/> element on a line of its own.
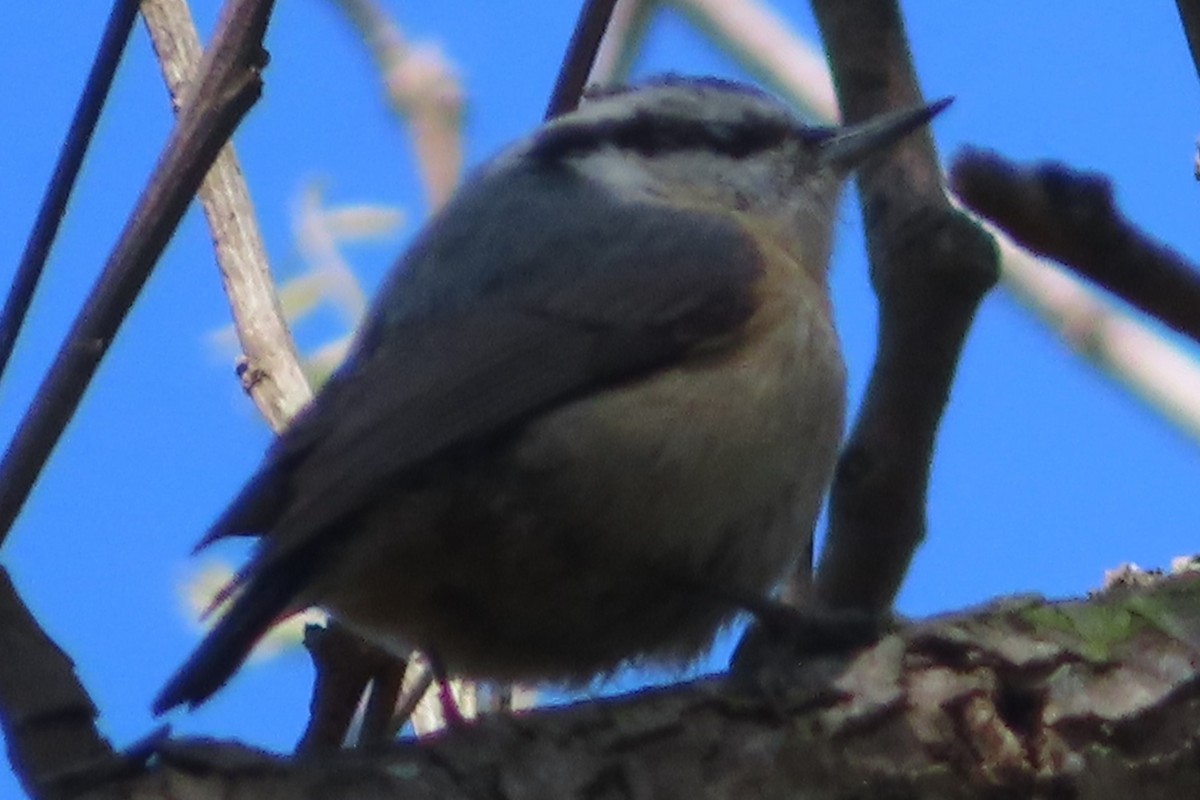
<point x="846" y="148"/>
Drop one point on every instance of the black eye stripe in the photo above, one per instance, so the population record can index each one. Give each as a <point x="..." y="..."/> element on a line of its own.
<point x="652" y="134"/>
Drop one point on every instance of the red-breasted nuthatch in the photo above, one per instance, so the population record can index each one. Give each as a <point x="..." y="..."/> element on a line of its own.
<point x="600" y="395"/>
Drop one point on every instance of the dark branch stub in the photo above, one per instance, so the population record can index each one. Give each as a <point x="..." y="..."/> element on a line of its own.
<point x="1071" y="217"/>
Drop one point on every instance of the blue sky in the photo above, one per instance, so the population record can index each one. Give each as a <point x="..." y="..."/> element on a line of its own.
<point x="1046" y="472"/>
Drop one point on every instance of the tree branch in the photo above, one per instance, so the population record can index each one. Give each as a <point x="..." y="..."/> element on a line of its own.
<point x="228" y="87"/>
<point x="1070" y="216"/>
<point x="1020" y="699"/>
<point x="271" y="373"/>
<point x="930" y="267"/>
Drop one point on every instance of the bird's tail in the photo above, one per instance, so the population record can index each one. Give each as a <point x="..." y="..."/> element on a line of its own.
<point x="262" y="602"/>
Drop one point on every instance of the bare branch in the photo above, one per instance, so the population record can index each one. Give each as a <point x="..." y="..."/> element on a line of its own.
<point x="1070" y="216"/>
<point x="1020" y="699"/>
<point x="581" y="54"/>
<point x="930" y="267"/>
<point x="271" y="373"/>
<point x="229" y="86"/>
<point x="54" y="203"/>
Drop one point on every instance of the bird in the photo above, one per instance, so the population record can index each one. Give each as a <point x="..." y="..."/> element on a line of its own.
<point x="600" y="395"/>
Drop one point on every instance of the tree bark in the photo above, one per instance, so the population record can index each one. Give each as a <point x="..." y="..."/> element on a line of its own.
<point x="1022" y="698"/>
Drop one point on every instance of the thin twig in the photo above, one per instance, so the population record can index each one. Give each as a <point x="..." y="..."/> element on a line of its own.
<point x="229" y="85"/>
<point x="66" y="171"/>
<point x="272" y="374"/>
<point x="581" y="54"/>
<point x="1070" y="216"/>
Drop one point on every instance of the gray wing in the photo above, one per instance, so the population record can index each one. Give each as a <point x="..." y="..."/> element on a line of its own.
<point x="528" y="327"/>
